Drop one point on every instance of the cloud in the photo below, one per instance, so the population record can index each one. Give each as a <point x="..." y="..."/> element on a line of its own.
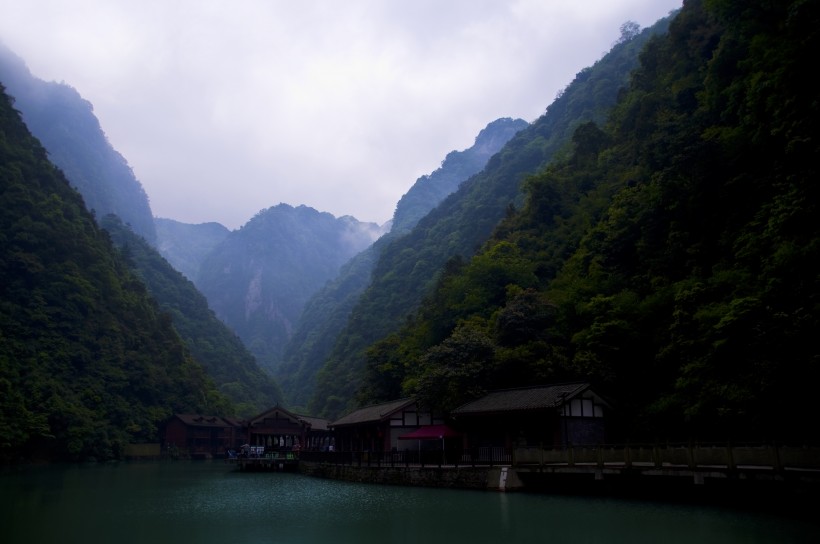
<point x="225" y="108"/>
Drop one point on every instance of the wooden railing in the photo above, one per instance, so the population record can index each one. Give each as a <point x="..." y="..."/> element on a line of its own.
<point x="728" y="456"/>
<point x="433" y="457"/>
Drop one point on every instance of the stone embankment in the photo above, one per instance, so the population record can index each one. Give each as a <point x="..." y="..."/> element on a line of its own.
<point x="461" y="477"/>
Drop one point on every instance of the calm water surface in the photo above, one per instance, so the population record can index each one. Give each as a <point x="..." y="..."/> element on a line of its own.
<point x="208" y="502"/>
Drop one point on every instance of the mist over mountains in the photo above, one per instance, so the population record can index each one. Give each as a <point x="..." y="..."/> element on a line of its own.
<point x="408" y="267"/>
<point x="326" y="313"/>
<point x="64" y="122"/>
<point x="185" y="245"/>
<point x="88" y="363"/>
<point x="653" y="232"/>
<point x="260" y="276"/>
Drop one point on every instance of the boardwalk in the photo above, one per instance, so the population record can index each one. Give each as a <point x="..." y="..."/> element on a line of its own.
<point x="637" y="464"/>
<point x="274" y="461"/>
<point x="697" y="463"/>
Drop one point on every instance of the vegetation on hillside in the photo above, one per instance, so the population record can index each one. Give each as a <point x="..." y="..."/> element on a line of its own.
<point x="185" y="246"/>
<point x="211" y="343"/>
<point x="671" y="257"/>
<point x="88" y="362"/>
<point x="326" y="313"/>
<point x="258" y="279"/>
<point x="408" y="267"/>
<point x="65" y="124"/>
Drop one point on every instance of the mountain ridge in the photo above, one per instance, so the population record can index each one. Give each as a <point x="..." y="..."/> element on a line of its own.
<point x="325" y="312"/>
<point x="65" y="123"/>
<point x="409" y="267"/>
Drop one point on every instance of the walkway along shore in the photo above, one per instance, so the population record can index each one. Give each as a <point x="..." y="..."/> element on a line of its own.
<point x="672" y="470"/>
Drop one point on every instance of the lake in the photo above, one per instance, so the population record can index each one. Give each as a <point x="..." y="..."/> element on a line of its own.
<point x="209" y="502"/>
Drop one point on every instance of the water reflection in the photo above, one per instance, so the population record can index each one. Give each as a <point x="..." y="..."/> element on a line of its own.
<point x="209" y="502"/>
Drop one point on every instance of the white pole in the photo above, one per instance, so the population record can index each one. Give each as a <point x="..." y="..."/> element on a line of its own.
<point x="443" y="457"/>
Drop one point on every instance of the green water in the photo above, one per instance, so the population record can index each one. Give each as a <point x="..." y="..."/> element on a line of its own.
<point x="208" y="502"/>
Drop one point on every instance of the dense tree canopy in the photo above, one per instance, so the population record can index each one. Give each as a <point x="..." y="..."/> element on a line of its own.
<point x="213" y="345"/>
<point x="65" y="123"/>
<point x="259" y="278"/>
<point x="671" y="257"/>
<point x="325" y="314"/>
<point x="408" y="267"/>
<point x="88" y="362"/>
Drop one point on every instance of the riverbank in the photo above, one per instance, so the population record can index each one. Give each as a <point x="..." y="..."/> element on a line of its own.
<point x="790" y="493"/>
<point x="458" y="477"/>
<point x="210" y="501"/>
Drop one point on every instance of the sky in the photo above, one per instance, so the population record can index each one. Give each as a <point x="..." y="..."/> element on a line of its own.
<point x="225" y="108"/>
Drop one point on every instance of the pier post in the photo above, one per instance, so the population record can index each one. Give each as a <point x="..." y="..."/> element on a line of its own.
<point x="776" y="464"/>
<point x="730" y="458"/>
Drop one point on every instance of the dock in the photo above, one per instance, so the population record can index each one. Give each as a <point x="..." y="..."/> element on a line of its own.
<point x="611" y="468"/>
<point x="267" y="462"/>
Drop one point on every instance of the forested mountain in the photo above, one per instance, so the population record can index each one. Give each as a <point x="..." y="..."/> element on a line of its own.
<point x="326" y="312"/>
<point x="670" y="257"/>
<point x="212" y="344"/>
<point x="259" y="277"/>
<point x="185" y="246"/>
<point x="88" y="362"/>
<point x="64" y="122"/>
<point x="409" y="266"/>
<point x="428" y="191"/>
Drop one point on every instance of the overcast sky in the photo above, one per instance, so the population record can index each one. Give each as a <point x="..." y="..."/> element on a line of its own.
<point x="224" y="108"/>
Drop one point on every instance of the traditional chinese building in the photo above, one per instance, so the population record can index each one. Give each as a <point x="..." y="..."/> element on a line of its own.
<point x="197" y="435"/>
<point x="280" y="429"/>
<point x="547" y="416"/>
<point x="378" y="427"/>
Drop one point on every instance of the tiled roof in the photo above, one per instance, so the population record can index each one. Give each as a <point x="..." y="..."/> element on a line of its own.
<point x="199" y="420"/>
<point x="373" y="413"/>
<point x="270" y="411"/>
<point x="531" y="398"/>
<point x="234" y="421"/>
<point x="316" y="423"/>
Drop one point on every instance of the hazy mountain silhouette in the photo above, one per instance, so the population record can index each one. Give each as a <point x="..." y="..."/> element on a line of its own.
<point x="260" y="276"/>
<point x="326" y="313"/>
<point x="65" y="123"/>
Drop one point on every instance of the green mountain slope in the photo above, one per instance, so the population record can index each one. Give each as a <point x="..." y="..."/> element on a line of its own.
<point x="428" y="191"/>
<point x="325" y="314"/>
<point x="409" y="267"/>
<point x="258" y="279"/>
<point x="185" y="246"/>
<point x="64" y="122"/>
<point x="88" y="363"/>
<point x="670" y="258"/>
<point x="212" y="344"/>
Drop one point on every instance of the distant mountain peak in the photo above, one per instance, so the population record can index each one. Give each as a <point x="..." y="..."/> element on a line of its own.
<point x="430" y="190"/>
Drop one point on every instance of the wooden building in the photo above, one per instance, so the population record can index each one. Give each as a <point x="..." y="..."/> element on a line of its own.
<point x="319" y="436"/>
<point x="197" y="435"/>
<point x="280" y="429"/>
<point x="546" y="416"/>
<point x="378" y="427"/>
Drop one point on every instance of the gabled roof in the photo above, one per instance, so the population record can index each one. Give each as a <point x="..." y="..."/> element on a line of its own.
<point x="275" y="412"/>
<point x="374" y="413"/>
<point x="316" y="423"/>
<point x="530" y="398"/>
<point x="199" y="420"/>
<point x="234" y="421"/>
